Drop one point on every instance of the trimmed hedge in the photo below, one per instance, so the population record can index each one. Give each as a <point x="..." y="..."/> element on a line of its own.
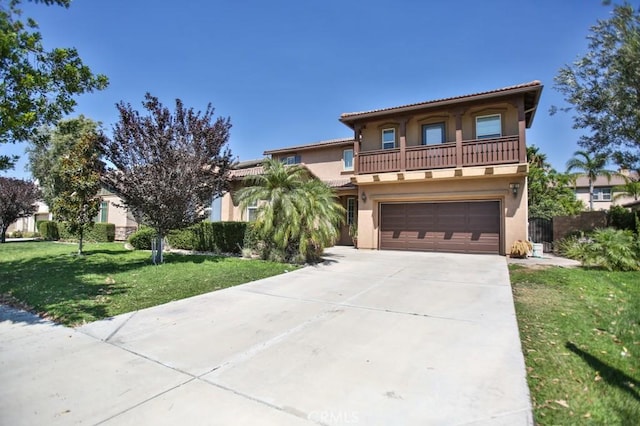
<point x="141" y="239"/>
<point x="98" y="233"/>
<point x="218" y="237"/>
<point x="48" y="229"/>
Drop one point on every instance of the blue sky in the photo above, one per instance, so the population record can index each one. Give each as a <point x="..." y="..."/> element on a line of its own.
<point x="285" y="70"/>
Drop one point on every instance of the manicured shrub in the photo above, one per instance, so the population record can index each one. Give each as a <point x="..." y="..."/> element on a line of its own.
<point x="100" y="233"/>
<point x="620" y="218"/>
<point x="17" y="234"/>
<point x="182" y="239"/>
<point x="217" y="237"/>
<point x="48" y="229"/>
<point x="141" y="239"/>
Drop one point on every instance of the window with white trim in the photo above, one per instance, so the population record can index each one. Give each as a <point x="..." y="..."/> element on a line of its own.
<point x="601" y="194"/>
<point x="347" y="159"/>
<point x="291" y="159"/>
<point x="488" y="126"/>
<point x="252" y="212"/>
<point x="103" y="214"/>
<point x="351" y="211"/>
<point x="433" y="134"/>
<point x="388" y="138"/>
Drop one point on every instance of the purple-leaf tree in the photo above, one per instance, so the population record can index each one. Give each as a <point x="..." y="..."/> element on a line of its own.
<point x="167" y="166"/>
<point x="17" y="199"/>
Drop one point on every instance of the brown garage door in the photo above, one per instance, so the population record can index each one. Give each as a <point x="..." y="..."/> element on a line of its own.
<point x="464" y="227"/>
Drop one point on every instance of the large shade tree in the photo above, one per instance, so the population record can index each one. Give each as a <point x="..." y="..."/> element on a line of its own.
<point x="591" y="165"/>
<point x="297" y="216"/>
<point x="167" y="166"/>
<point x="603" y="87"/>
<point x="37" y="85"/>
<point x="17" y="199"/>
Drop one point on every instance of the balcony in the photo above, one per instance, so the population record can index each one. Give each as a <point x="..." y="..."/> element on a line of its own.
<point x="479" y="152"/>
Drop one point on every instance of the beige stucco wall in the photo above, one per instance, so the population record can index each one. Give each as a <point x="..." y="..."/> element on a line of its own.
<point x="325" y="162"/>
<point x="119" y="216"/>
<point x="372" y="133"/>
<point x="514" y="209"/>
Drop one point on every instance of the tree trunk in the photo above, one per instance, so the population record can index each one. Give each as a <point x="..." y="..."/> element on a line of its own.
<point x="3" y="234"/>
<point x="590" y="194"/>
<point x="80" y="242"/>
<point x="156" y="250"/>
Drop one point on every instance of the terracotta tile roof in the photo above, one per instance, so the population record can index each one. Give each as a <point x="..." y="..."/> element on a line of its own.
<point x="348" y="115"/>
<point x="240" y="173"/>
<point x="339" y="183"/>
<point x="314" y="145"/>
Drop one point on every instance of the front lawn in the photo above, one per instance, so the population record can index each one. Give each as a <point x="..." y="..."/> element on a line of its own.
<point x="50" y="279"/>
<point x="580" y="332"/>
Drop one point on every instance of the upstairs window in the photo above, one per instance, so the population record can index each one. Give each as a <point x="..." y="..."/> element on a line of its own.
<point x="433" y="134"/>
<point x="601" y="194"/>
<point x="488" y="126"/>
<point x="347" y="159"/>
<point x="292" y="159"/>
<point x="388" y="138"/>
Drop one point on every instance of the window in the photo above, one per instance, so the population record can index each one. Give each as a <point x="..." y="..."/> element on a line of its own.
<point x="103" y="215"/>
<point x="252" y="212"/>
<point x="388" y="138"/>
<point x="601" y="194"/>
<point x="292" y="159"/>
<point x="488" y="126"/>
<point x="433" y="134"/>
<point x="351" y="211"/>
<point x="347" y="159"/>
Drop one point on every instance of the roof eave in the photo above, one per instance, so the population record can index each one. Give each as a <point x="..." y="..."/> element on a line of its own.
<point x="350" y="120"/>
<point x="308" y="147"/>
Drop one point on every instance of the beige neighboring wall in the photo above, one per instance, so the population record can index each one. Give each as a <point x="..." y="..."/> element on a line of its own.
<point x="514" y="209"/>
<point x="325" y="162"/>
<point x="600" y="184"/>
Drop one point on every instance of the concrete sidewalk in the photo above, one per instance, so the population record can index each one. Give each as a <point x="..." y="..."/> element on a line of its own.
<point x="368" y="338"/>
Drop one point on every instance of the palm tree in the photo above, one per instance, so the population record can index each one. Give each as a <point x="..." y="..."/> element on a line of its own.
<point x="297" y="215"/>
<point x="631" y="188"/>
<point x="592" y="165"/>
<point x="536" y="158"/>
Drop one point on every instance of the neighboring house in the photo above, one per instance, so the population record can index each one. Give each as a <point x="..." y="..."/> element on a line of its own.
<point x="110" y="212"/>
<point x="28" y="224"/>
<point x="603" y="194"/>
<point x="444" y="175"/>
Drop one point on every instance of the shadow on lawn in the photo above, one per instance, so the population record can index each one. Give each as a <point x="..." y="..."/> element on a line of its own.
<point x="611" y="375"/>
<point x="72" y="288"/>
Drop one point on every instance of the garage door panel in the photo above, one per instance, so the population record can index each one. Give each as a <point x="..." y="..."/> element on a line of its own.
<point x="465" y="227"/>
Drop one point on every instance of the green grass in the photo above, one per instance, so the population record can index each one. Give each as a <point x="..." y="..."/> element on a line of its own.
<point x="48" y="278"/>
<point x="580" y="332"/>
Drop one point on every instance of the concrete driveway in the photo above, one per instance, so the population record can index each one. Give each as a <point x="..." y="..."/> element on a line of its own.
<point x="368" y="338"/>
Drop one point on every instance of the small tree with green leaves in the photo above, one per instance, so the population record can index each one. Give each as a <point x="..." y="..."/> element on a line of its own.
<point x="76" y="184"/>
<point x="549" y="192"/>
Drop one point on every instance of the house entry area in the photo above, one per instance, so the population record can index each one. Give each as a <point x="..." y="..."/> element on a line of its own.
<point x="459" y="227"/>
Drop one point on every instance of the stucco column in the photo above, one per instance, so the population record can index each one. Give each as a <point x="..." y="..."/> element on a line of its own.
<point x="403" y="144"/>
<point x="458" y="115"/>
<point x="522" y="125"/>
<point x="357" y="132"/>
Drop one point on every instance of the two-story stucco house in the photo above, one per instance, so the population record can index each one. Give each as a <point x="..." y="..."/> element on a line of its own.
<point x="604" y="195"/>
<point x="442" y="175"/>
